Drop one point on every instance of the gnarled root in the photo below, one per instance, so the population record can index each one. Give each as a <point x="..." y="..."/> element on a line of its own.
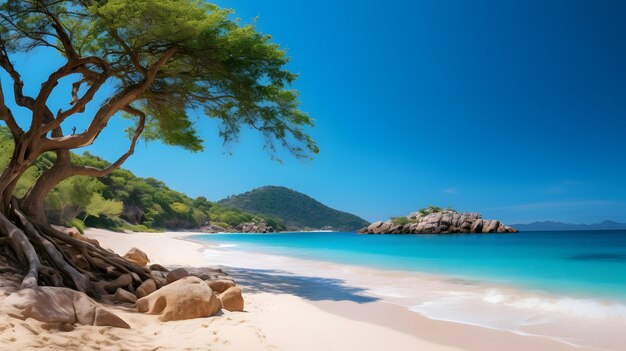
<point x="46" y="257"/>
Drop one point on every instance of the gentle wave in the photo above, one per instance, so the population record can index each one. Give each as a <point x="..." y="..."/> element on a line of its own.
<point x="575" y="307"/>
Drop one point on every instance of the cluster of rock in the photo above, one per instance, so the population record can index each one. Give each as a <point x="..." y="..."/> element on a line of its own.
<point x="248" y="227"/>
<point x="252" y="227"/>
<point x="446" y="221"/>
<point x="173" y="295"/>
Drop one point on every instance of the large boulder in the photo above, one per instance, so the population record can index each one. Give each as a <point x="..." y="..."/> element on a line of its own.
<point x="58" y="306"/>
<point x="137" y="256"/>
<point x="232" y="300"/>
<point x="186" y="298"/>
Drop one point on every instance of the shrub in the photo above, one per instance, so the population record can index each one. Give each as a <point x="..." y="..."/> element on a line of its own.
<point x="400" y="220"/>
<point x="75" y="222"/>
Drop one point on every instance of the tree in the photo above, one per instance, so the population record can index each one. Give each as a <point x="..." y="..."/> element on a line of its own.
<point x="166" y="60"/>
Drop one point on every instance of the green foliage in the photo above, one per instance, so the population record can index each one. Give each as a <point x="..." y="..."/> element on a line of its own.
<point x="218" y="67"/>
<point x="75" y="222"/>
<point x="71" y="198"/>
<point x="430" y="209"/>
<point x="400" y="220"/>
<point x="99" y="206"/>
<point x="225" y="216"/>
<point x="295" y="209"/>
<point x="109" y="202"/>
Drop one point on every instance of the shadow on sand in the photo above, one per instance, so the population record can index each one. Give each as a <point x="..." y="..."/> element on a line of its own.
<point x="310" y="288"/>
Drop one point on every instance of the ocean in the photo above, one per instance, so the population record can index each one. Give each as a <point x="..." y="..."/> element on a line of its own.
<point x="579" y="264"/>
<point x="569" y="285"/>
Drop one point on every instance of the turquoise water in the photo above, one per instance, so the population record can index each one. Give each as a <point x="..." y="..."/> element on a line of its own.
<point x="575" y="263"/>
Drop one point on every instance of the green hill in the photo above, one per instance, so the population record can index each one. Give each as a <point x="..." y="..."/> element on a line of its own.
<point x="295" y="209"/>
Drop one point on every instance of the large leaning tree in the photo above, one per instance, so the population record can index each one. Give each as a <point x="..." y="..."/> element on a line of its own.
<point x="159" y="61"/>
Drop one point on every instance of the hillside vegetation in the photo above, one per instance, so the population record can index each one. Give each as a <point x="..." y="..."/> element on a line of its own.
<point x="122" y="200"/>
<point x="297" y="210"/>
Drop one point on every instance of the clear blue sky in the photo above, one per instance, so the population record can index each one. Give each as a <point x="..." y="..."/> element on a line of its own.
<point x="516" y="109"/>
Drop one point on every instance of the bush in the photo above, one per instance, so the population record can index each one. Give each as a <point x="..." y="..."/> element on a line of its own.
<point x="431" y="209"/>
<point x="400" y="220"/>
<point x="75" y="222"/>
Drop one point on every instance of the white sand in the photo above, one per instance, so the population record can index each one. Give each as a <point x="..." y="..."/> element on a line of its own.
<point x="272" y="321"/>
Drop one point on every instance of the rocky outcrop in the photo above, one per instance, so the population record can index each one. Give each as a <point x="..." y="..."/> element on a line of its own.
<point x="440" y="222"/>
<point x="248" y="227"/>
<point x="186" y="298"/>
<point x="254" y="227"/>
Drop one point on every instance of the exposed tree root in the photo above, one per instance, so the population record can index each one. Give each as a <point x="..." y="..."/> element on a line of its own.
<point x="47" y="256"/>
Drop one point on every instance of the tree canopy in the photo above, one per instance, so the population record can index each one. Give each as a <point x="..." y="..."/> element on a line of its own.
<point x="165" y="58"/>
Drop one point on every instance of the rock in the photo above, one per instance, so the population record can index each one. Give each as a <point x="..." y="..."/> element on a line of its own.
<point x="66" y="327"/>
<point x="175" y="275"/>
<point x="254" y="227"/>
<point x="123" y="280"/>
<point x="158" y="267"/>
<point x="493" y="226"/>
<point x="477" y="226"/>
<point x="486" y="224"/>
<point x="106" y="318"/>
<point x="439" y="222"/>
<point x="137" y="256"/>
<point x="186" y="298"/>
<point x="232" y="300"/>
<point x="146" y="288"/>
<point x="56" y="305"/>
<point x="159" y="278"/>
<point x="122" y="296"/>
<point x="220" y="285"/>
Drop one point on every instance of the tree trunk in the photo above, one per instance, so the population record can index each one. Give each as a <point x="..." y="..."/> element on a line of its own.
<point x="33" y="203"/>
<point x="43" y="254"/>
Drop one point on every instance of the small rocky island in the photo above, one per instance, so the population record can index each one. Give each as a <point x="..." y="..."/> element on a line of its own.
<point x="435" y="220"/>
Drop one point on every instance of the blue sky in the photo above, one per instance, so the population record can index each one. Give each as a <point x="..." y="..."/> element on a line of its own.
<point x="516" y="109"/>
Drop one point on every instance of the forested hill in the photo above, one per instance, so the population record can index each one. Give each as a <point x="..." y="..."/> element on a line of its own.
<point x="122" y="200"/>
<point x="297" y="210"/>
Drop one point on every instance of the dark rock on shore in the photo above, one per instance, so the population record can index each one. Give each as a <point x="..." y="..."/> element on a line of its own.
<point x="249" y="227"/>
<point x="441" y="222"/>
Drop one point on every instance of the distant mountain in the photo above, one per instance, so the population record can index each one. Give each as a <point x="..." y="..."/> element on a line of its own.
<point x="297" y="210"/>
<point x="554" y="226"/>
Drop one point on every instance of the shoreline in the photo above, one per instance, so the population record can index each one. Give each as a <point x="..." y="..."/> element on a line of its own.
<point x="310" y="288"/>
<point x="525" y="312"/>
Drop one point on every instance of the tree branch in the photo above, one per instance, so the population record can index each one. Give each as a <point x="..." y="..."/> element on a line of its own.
<point x="117" y="103"/>
<point x="18" y="85"/>
<point x="73" y="66"/>
<point x="7" y="116"/>
<point x="96" y="172"/>
<point x="78" y="103"/>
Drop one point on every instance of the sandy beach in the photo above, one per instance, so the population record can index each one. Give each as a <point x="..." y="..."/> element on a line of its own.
<point x="283" y="312"/>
